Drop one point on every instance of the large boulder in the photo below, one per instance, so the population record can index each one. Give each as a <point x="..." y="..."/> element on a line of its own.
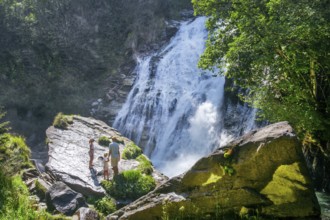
<point x="68" y="155"/>
<point x="63" y="199"/>
<point x="265" y="174"/>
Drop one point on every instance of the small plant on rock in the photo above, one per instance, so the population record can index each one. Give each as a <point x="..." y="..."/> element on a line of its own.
<point x="104" y="141"/>
<point x="106" y="205"/>
<point x="62" y="121"/>
<point x="228" y="168"/>
<point x="130" y="184"/>
<point x="131" y="151"/>
<point x="145" y="165"/>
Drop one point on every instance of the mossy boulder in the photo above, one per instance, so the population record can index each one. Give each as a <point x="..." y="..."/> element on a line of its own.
<point x="269" y="177"/>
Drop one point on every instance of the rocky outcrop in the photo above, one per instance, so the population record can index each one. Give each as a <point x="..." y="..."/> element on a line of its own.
<point x="63" y="199"/>
<point x="264" y="172"/>
<point x="68" y="155"/>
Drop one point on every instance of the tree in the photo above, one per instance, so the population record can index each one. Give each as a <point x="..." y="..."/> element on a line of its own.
<point x="279" y="51"/>
<point x="3" y="125"/>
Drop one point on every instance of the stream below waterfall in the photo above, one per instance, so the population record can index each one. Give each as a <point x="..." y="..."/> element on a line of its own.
<point x="174" y="110"/>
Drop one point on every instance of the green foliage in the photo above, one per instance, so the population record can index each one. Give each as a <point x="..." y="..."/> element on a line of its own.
<point x="14" y="154"/>
<point x="279" y="51"/>
<point x="15" y="202"/>
<point x="106" y="205"/>
<point x="92" y="200"/>
<point x="45" y="63"/>
<point x="145" y="165"/>
<point x="229" y="170"/>
<point x="130" y="184"/>
<point x="104" y="141"/>
<point x="131" y="151"/>
<point x="14" y="195"/>
<point x="62" y="121"/>
<point x="3" y="125"/>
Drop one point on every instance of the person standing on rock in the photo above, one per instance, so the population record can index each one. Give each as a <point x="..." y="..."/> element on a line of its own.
<point x="106" y="166"/>
<point x="115" y="154"/>
<point x="91" y="153"/>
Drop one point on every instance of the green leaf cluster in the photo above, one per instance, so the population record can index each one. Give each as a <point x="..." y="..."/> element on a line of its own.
<point x="279" y="51"/>
<point x="145" y="165"/>
<point x="14" y="195"/>
<point x="106" y="205"/>
<point x="104" y="141"/>
<point x="14" y="154"/>
<point x="130" y="184"/>
<point x="131" y="151"/>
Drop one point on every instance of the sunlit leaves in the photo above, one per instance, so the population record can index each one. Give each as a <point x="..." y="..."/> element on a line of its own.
<point x="279" y="50"/>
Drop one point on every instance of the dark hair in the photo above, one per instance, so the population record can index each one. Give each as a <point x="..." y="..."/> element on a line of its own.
<point x="91" y="140"/>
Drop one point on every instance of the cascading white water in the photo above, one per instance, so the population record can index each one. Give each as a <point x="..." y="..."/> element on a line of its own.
<point x="174" y="108"/>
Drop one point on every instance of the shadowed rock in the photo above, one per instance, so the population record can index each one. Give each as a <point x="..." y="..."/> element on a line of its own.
<point x="63" y="199"/>
<point x="265" y="174"/>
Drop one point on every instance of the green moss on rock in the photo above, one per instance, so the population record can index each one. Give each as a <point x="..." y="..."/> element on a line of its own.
<point x="104" y="141"/>
<point x="62" y="121"/>
<point x="285" y="190"/>
<point x="131" y="151"/>
<point x="145" y="165"/>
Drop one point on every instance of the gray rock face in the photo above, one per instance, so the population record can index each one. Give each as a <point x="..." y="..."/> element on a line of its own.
<point x="69" y="158"/>
<point x="86" y="214"/>
<point x="263" y="172"/>
<point x="63" y="199"/>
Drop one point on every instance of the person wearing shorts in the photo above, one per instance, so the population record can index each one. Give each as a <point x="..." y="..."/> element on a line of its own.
<point x="115" y="154"/>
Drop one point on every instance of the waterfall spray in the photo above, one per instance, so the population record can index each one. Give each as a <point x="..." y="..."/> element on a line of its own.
<point x="174" y="109"/>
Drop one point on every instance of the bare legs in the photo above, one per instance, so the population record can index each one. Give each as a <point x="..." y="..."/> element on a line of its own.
<point x="106" y="174"/>
<point x="91" y="158"/>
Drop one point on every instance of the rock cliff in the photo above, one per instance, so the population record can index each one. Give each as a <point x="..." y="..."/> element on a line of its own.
<point x="262" y="173"/>
<point x="68" y="155"/>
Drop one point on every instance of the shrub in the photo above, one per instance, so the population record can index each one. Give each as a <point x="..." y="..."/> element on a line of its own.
<point x="130" y="184"/>
<point x="14" y="154"/>
<point x="14" y="195"/>
<point x="106" y="205"/>
<point x="104" y="141"/>
<point x="62" y="121"/>
<point x="15" y="202"/>
<point x="131" y="151"/>
<point x="229" y="170"/>
<point x="145" y="165"/>
<point x="3" y="125"/>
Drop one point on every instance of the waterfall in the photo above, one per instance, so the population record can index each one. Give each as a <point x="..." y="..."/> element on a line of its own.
<point x="174" y="110"/>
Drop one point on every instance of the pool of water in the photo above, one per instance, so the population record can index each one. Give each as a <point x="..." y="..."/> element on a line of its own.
<point x="324" y="201"/>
